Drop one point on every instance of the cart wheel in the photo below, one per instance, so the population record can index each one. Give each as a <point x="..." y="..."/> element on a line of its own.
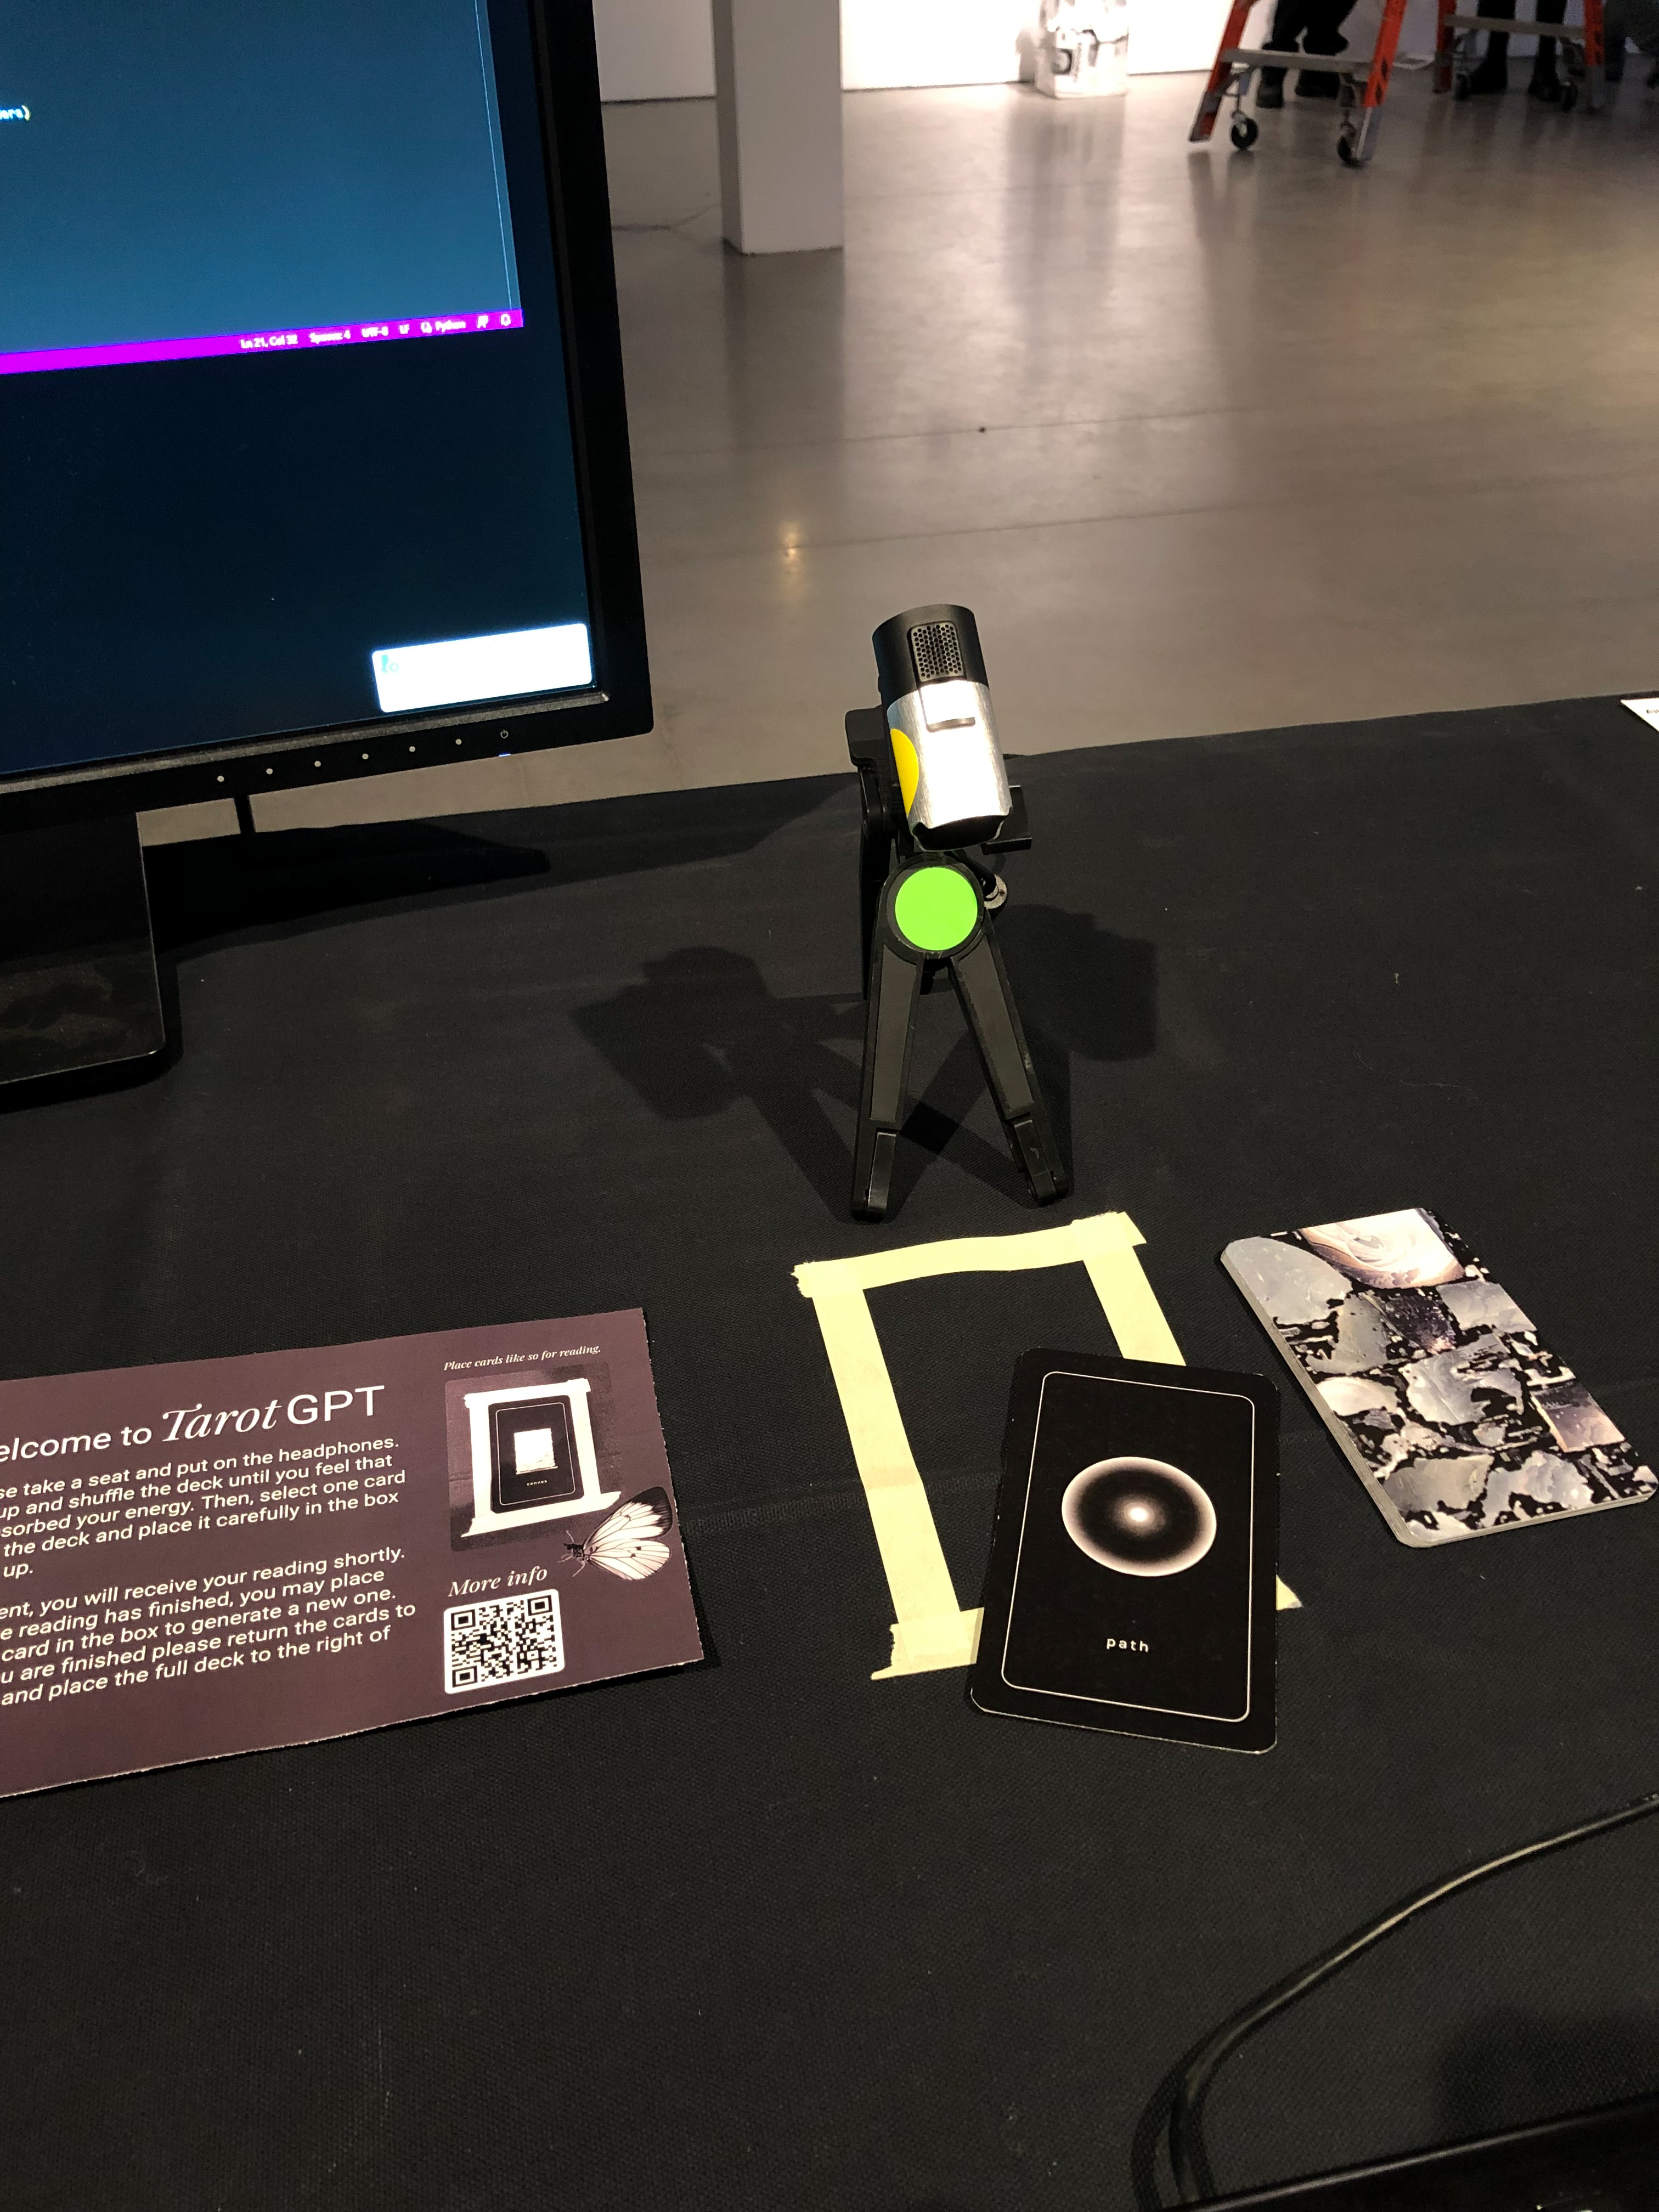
<point x="1569" y="97"/>
<point x="1462" y="88"/>
<point x="1246" y="131"/>
<point x="1348" y="154"/>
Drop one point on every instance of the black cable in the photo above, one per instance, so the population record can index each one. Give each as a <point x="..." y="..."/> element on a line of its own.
<point x="1186" y="2140"/>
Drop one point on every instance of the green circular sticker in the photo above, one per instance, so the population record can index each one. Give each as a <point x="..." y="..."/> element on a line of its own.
<point x="936" y="908"/>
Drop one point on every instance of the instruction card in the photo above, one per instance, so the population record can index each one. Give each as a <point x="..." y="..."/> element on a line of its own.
<point x="228" y="1555"/>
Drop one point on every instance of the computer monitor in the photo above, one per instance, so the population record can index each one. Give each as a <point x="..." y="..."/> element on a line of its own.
<point x="314" y="454"/>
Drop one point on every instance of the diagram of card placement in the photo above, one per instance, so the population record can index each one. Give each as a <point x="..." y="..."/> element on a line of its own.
<point x="229" y="1555"/>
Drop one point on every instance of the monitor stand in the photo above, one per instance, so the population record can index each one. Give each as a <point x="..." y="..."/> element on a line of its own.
<point x="78" y="987"/>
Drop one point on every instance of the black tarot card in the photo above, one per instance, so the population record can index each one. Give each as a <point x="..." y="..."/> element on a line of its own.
<point x="1132" y="1575"/>
<point x="532" y="1454"/>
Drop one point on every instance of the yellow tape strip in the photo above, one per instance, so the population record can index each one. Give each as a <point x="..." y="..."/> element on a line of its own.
<point x="1136" y="1317"/>
<point x="968" y="1255"/>
<point x="910" y="1550"/>
<point x="930" y="1631"/>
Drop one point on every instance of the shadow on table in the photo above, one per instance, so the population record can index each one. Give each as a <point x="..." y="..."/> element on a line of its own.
<point x="1514" y="2067"/>
<point x="286" y="880"/>
<point x="1504" y="2071"/>
<point x="703" y="1030"/>
<point x="209" y="892"/>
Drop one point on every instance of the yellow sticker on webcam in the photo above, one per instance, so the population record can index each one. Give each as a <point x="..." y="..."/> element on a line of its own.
<point x="908" y="767"/>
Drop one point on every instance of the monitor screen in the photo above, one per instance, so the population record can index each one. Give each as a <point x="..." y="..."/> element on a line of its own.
<point x="294" y="353"/>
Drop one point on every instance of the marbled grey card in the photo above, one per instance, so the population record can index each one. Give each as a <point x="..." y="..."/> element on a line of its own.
<point x="1431" y="1378"/>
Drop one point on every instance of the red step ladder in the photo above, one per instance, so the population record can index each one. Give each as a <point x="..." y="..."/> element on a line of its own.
<point x="1363" y="81"/>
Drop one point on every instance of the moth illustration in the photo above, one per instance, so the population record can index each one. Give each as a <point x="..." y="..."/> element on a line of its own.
<point x="628" y="1543"/>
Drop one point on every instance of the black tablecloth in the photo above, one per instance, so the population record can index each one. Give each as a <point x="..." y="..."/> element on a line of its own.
<point x="766" y="1933"/>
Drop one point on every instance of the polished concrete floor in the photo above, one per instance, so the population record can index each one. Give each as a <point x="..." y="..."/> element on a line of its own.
<point x="1209" y="442"/>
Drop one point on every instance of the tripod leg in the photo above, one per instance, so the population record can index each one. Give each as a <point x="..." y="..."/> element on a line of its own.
<point x="870" y="750"/>
<point x="981" y="984"/>
<point x="875" y="860"/>
<point x="893" y="984"/>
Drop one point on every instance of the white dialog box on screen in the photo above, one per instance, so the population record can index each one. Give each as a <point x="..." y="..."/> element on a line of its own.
<point x="455" y="670"/>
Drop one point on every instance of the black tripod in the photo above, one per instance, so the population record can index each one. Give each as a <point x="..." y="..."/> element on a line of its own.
<point x="924" y="912"/>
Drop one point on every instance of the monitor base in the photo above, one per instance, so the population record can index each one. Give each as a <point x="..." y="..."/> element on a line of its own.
<point x="78" y="987"/>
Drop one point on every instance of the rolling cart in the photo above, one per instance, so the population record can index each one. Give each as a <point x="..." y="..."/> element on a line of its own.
<point x="1582" y="49"/>
<point x="1363" y="82"/>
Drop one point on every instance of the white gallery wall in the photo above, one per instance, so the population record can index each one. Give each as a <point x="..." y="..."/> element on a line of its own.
<point x="977" y="41"/>
<point x="665" y="49"/>
<point x="655" y="49"/>
<point x="895" y="42"/>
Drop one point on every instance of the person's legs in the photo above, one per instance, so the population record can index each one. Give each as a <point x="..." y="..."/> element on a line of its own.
<point x="1492" y="74"/>
<point x="1632" y="19"/>
<point x="1617" y="29"/>
<point x="1545" y="84"/>
<point x="1637" y="19"/>
<point x="1613" y="45"/>
<point x="1289" y="19"/>
<point x="1323" y="34"/>
<point x="1322" y="30"/>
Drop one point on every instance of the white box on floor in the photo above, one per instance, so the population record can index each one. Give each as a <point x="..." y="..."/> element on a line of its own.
<point x="1083" y="49"/>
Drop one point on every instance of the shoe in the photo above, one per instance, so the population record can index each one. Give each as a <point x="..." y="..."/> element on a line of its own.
<point x="1544" y="84"/>
<point x="1270" y="88"/>
<point x="1317" y="83"/>
<point x="1491" y="75"/>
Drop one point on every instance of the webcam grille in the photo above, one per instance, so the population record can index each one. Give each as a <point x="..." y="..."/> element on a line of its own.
<point x="937" y="651"/>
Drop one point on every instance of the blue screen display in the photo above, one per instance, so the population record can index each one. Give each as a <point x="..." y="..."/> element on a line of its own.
<point x="284" y="420"/>
<point x="180" y="170"/>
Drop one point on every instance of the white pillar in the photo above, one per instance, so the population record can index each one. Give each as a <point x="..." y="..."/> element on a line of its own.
<point x="777" y="80"/>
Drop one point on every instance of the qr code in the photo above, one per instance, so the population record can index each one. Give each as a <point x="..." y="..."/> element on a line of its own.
<point x="506" y="1639"/>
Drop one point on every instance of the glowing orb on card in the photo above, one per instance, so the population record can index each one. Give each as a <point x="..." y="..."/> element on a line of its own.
<point x="1138" y="1517"/>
